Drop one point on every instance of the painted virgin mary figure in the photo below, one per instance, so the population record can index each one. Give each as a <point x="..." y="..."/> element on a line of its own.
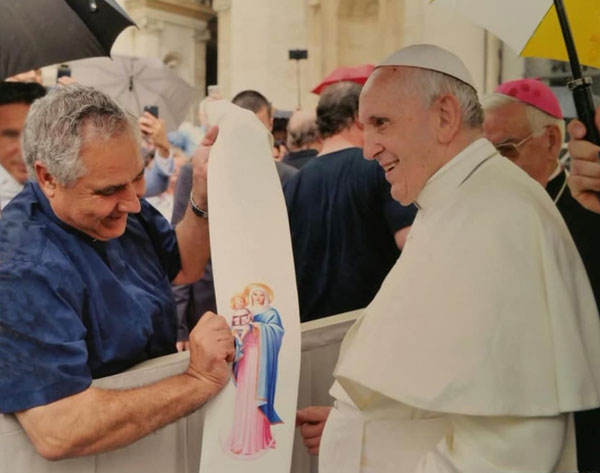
<point x="255" y="376"/>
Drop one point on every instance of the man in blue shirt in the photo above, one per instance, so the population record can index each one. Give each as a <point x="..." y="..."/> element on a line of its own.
<point x="85" y="272"/>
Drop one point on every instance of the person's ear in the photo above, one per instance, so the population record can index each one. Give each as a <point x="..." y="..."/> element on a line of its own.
<point x="359" y="124"/>
<point x="46" y="181"/>
<point x="554" y="139"/>
<point x="356" y="133"/>
<point x="449" y="117"/>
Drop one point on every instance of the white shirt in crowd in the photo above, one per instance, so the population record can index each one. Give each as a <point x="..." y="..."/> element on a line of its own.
<point x="9" y="187"/>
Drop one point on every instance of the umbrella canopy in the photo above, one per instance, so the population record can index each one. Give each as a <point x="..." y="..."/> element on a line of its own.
<point x="531" y="27"/>
<point x="136" y="82"/>
<point x="36" y="33"/>
<point x="554" y="29"/>
<point x="358" y="74"/>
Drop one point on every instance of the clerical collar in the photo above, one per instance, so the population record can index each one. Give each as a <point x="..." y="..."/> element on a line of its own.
<point x="452" y="174"/>
<point x="556" y="171"/>
<point x="557" y="183"/>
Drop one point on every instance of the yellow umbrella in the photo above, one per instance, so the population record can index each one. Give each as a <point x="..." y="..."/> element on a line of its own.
<point x="540" y="28"/>
<point x="584" y="17"/>
<point x="531" y="27"/>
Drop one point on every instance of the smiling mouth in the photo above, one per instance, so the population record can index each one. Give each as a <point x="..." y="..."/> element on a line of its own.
<point x="389" y="167"/>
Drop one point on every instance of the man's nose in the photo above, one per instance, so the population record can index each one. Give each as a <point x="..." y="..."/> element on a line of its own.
<point x="140" y="187"/>
<point x="15" y="149"/>
<point x="131" y="201"/>
<point x="371" y="150"/>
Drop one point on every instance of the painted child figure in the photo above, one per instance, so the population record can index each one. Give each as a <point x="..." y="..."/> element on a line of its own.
<point x="241" y="318"/>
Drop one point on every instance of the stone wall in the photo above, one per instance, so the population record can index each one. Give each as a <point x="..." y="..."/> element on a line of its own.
<point x="255" y="36"/>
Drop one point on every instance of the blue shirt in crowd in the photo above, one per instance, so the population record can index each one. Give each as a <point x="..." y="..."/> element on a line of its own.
<point x="73" y="308"/>
<point x="342" y="220"/>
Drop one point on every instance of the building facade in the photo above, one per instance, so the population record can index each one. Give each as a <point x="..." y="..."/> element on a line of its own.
<point x="244" y="44"/>
<point x="255" y="37"/>
<point x="175" y="31"/>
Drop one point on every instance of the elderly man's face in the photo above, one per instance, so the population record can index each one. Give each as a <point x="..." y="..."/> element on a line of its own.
<point x="12" y="119"/>
<point x="98" y="203"/>
<point x="399" y="132"/>
<point x="509" y="124"/>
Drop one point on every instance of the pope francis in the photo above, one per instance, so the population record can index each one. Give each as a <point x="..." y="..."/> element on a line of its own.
<point x="485" y="337"/>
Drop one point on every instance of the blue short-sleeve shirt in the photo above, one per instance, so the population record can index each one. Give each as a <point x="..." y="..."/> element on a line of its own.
<point x="73" y="308"/>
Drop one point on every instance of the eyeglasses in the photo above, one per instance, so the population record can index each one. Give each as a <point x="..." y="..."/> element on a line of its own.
<point x="511" y="150"/>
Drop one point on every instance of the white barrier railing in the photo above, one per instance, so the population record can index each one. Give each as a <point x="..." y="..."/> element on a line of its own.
<point x="176" y="447"/>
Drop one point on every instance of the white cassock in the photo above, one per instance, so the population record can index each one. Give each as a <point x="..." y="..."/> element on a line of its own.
<point x="482" y="340"/>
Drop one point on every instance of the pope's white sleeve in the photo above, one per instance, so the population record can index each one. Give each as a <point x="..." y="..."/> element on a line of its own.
<point x="498" y="445"/>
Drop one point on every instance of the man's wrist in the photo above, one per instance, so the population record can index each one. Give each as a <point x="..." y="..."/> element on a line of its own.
<point x="198" y="211"/>
<point x="210" y="386"/>
<point x="163" y="151"/>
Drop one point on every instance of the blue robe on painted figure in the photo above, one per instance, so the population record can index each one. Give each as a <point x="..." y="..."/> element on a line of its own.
<point x="255" y="376"/>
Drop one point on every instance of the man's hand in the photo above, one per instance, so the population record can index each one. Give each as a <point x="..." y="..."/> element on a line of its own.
<point x="211" y="348"/>
<point x="584" y="180"/>
<point x="155" y="132"/>
<point x="311" y="421"/>
<point x="66" y="80"/>
<point x="200" y="168"/>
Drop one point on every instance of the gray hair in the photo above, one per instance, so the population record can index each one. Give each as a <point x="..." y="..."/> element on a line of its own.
<point x="337" y="108"/>
<point x="302" y="130"/>
<point x="537" y="119"/>
<point x="55" y="129"/>
<point x="432" y="84"/>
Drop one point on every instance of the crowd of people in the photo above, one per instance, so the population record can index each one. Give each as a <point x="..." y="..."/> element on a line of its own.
<point x="469" y="241"/>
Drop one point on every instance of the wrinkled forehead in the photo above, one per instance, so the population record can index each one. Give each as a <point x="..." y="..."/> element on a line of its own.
<point x="13" y="114"/>
<point x="94" y="136"/>
<point x="97" y="131"/>
<point x="510" y="118"/>
<point x="389" y="78"/>
<point x="390" y="82"/>
<point x="389" y="88"/>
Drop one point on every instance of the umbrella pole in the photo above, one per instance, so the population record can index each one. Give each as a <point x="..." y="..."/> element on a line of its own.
<point x="298" y="82"/>
<point x="580" y="86"/>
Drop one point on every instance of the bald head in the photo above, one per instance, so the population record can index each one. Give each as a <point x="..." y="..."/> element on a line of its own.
<point x="301" y="118"/>
<point x="302" y="131"/>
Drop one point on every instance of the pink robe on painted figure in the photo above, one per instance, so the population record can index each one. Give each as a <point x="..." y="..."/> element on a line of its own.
<point x="251" y="432"/>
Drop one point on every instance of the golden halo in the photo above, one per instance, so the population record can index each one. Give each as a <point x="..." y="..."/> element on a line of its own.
<point x="258" y="285"/>
<point x="235" y="296"/>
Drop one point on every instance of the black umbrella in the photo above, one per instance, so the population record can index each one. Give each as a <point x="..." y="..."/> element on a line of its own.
<point x="36" y="33"/>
